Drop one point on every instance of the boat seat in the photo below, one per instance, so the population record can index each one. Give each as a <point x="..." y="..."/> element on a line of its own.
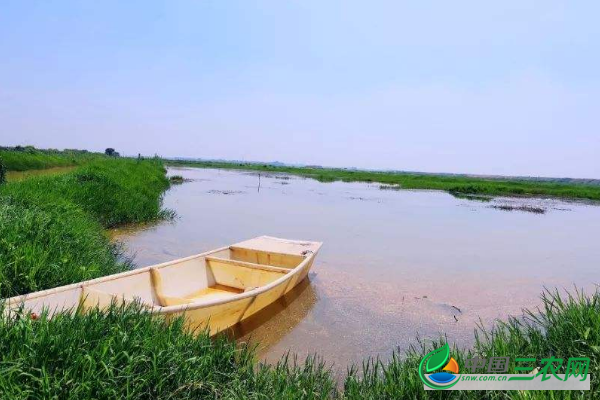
<point x="215" y="292"/>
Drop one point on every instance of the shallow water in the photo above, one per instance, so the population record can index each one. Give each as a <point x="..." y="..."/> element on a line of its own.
<point x="394" y="265"/>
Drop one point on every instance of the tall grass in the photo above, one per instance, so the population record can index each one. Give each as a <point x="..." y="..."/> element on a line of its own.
<point x="26" y="158"/>
<point x="51" y="228"/>
<point x="44" y="246"/>
<point x="454" y="184"/>
<point x="124" y="352"/>
<point x="114" y="191"/>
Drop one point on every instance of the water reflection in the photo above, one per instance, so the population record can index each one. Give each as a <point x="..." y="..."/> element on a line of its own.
<point x="268" y="327"/>
<point x="394" y="263"/>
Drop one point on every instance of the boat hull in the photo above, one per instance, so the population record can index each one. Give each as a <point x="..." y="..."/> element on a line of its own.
<point x="213" y="290"/>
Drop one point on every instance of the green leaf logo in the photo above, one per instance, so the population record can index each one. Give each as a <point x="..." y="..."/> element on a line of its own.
<point x="438" y="358"/>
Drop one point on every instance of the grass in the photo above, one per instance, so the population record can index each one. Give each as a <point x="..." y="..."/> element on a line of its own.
<point x="52" y="227"/>
<point x="47" y="246"/>
<point x="454" y="184"/>
<point x="125" y="352"/>
<point x="25" y="158"/>
<point x="114" y="191"/>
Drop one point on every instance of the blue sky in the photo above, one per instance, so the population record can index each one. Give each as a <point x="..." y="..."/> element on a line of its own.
<point x="506" y="87"/>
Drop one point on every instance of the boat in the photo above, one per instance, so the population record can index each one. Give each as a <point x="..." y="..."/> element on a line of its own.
<point x="213" y="290"/>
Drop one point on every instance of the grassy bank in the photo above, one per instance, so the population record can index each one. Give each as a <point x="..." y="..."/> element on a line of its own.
<point x="455" y="184"/>
<point x="127" y="353"/>
<point x="52" y="228"/>
<point x="24" y="158"/>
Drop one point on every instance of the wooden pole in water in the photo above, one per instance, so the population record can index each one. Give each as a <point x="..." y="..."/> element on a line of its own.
<point x="259" y="182"/>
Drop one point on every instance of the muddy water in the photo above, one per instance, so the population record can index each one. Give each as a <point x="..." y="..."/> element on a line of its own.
<point x="395" y="264"/>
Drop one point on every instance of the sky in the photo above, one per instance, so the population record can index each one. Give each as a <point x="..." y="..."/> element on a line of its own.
<point x="508" y="88"/>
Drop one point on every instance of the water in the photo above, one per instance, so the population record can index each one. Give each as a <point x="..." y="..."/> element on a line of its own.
<point x="394" y="265"/>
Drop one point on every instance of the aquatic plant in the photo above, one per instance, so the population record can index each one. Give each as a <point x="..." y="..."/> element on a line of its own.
<point x="176" y="179"/>
<point x="522" y="207"/>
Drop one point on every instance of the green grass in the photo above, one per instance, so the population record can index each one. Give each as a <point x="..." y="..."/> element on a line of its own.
<point x="124" y="352"/>
<point x="47" y="246"/>
<point x="115" y="192"/>
<point x="52" y="227"/>
<point x="27" y="158"/>
<point x="455" y="184"/>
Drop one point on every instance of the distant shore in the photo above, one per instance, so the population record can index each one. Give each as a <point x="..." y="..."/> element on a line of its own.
<point x="458" y="185"/>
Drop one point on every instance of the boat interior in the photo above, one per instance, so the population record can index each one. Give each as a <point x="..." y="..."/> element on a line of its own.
<point x="217" y="276"/>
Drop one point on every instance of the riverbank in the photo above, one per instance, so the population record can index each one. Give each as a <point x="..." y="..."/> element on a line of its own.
<point x="454" y="184"/>
<point x="52" y="227"/>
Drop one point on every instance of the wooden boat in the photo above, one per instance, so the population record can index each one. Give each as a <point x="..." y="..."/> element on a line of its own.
<point x="216" y="289"/>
